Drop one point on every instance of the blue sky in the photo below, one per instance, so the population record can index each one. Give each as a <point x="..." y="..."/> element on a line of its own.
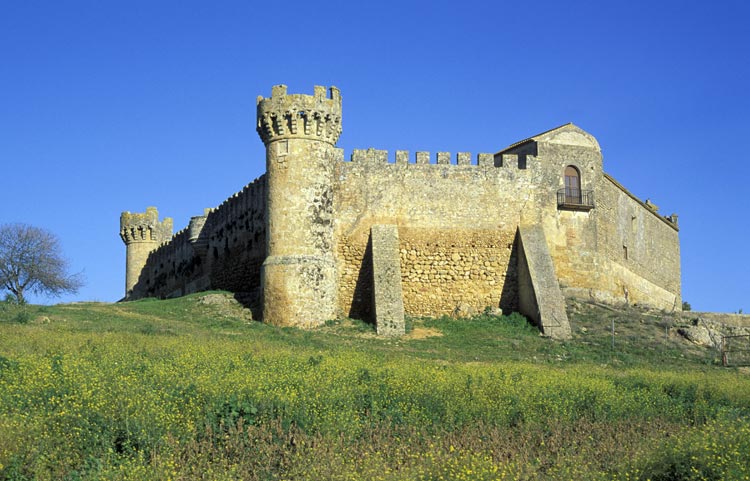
<point x="109" y="106"/>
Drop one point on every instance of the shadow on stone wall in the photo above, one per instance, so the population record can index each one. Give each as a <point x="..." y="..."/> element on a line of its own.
<point x="362" y="299"/>
<point x="509" y="294"/>
<point x="252" y="300"/>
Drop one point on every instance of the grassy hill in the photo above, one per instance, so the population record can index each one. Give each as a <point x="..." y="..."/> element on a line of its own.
<point x="192" y="388"/>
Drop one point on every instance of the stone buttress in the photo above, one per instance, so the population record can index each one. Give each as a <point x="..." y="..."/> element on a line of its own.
<point x="299" y="273"/>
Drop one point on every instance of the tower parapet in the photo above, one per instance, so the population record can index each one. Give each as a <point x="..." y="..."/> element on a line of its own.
<point x="299" y="273"/>
<point x="145" y="227"/>
<point x="316" y="117"/>
<point x="141" y="233"/>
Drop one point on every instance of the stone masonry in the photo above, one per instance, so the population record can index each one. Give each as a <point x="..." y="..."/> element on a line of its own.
<point x="377" y="237"/>
<point x="386" y="281"/>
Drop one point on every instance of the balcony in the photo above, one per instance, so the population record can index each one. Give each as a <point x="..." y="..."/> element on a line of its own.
<point x="575" y="199"/>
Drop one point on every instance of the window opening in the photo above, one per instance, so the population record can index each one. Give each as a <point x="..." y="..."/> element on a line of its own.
<point x="572" y="185"/>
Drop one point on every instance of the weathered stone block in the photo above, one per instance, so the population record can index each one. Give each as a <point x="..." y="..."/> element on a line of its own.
<point x="386" y="272"/>
<point x="359" y="155"/>
<point x="370" y="156"/>
<point x="540" y="297"/>
<point x="485" y="160"/>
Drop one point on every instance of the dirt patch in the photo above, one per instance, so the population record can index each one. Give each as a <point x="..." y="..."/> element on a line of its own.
<point x="423" y="333"/>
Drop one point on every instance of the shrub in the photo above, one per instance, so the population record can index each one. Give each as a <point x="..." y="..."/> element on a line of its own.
<point x="15" y="313"/>
<point x="717" y="451"/>
<point x="10" y="299"/>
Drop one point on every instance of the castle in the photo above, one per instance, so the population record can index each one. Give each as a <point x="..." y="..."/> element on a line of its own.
<point x="318" y="237"/>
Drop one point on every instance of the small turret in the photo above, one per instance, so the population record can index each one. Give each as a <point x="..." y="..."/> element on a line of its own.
<point x="197" y="238"/>
<point x="141" y="233"/>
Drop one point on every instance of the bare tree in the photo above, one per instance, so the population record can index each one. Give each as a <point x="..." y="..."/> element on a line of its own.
<point x="31" y="261"/>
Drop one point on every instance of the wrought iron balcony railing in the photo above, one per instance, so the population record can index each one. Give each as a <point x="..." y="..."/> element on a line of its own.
<point x="575" y="199"/>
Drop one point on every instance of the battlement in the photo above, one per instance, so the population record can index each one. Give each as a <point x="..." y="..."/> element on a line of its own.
<point x="166" y="251"/>
<point x="402" y="157"/>
<point x="144" y="227"/>
<point x="250" y="198"/>
<point x="313" y="117"/>
<point x="196" y="233"/>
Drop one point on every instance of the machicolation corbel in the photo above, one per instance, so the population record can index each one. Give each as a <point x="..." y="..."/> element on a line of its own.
<point x="314" y="117"/>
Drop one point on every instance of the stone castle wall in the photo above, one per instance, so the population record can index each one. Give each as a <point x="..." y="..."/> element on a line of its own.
<point x="452" y="226"/>
<point x="457" y="226"/>
<point x="236" y="236"/>
<point x="457" y="223"/>
<point x="458" y="271"/>
<point x="223" y="251"/>
<point x="642" y="249"/>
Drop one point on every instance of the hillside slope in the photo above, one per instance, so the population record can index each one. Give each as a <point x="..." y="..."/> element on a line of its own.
<point x="192" y="388"/>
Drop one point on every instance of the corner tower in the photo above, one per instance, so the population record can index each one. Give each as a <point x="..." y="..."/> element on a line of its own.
<point x="141" y="233"/>
<point x="299" y="274"/>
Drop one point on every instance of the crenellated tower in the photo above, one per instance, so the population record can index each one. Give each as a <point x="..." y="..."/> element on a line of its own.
<point x="141" y="233"/>
<point x="299" y="274"/>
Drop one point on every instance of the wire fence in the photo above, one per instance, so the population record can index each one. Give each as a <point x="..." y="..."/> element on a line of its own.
<point x="639" y="331"/>
<point x="735" y="350"/>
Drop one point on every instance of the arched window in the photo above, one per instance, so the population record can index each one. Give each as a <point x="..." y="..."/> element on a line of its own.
<point x="572" y="185"/>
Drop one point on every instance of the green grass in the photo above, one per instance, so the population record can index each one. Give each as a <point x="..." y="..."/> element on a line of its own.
<point x="179" y="389"/>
